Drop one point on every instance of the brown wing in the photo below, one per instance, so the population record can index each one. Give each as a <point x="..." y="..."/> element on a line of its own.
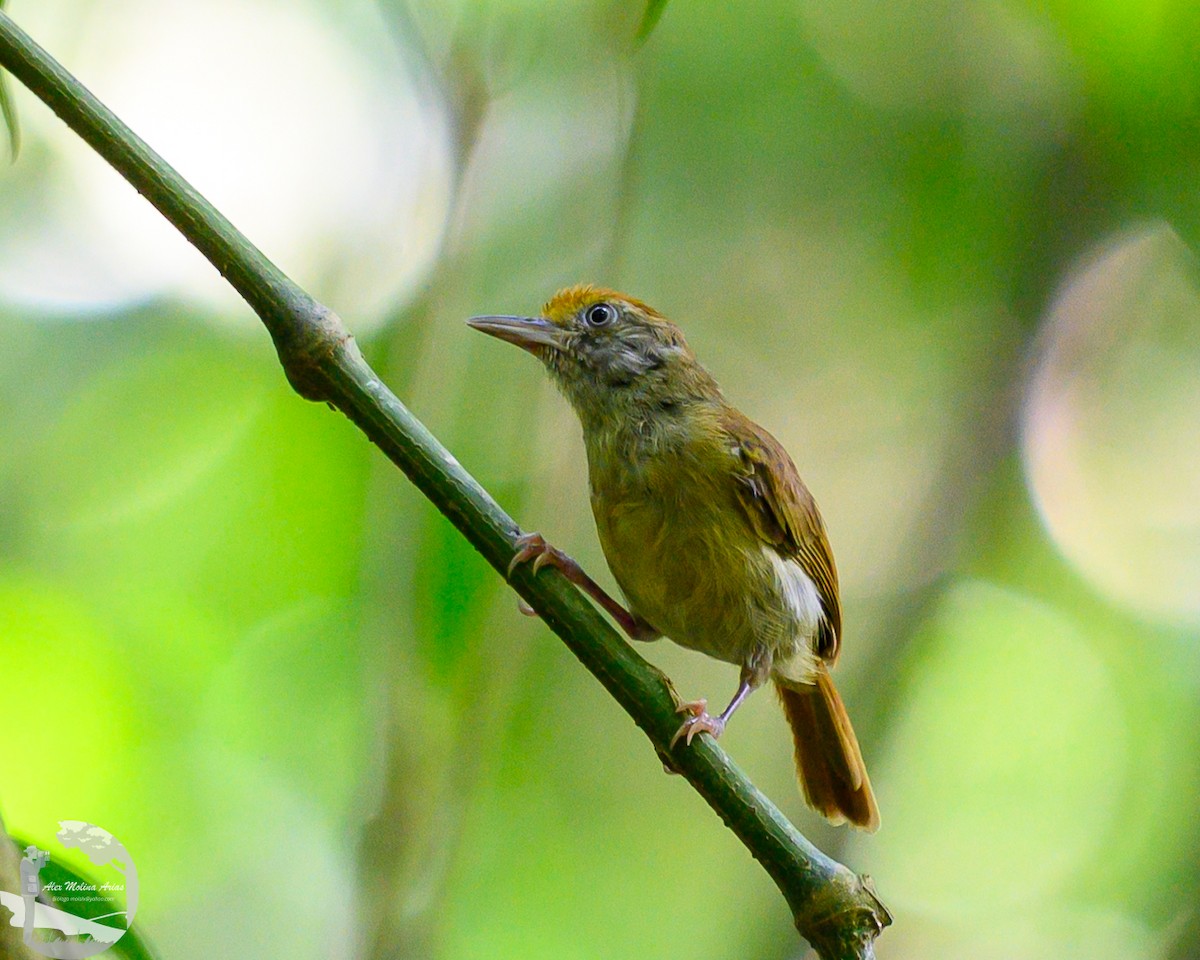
<point x="785" y="516"/>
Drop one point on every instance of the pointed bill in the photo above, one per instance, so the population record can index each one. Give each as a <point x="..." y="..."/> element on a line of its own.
<point x="529" y="333"/>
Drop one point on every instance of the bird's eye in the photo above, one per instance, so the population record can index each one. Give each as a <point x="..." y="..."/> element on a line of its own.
<point x="599" y="315"/>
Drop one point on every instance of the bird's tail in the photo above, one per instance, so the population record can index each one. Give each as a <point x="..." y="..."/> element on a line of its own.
<point x="828" y="762"/>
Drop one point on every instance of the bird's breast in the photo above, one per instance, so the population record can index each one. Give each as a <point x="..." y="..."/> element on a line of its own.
<point x="689" y="562"/>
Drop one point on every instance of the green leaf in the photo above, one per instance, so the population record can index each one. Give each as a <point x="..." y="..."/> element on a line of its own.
<point x="654" y="10"/>
<point x="9" y="111"/>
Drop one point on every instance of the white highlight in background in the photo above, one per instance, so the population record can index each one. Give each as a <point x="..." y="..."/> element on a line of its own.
<point x="310" y="134"/>
<point x="1112" y="424"/>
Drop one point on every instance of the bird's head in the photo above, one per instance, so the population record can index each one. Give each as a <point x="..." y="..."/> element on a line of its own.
<point x="607" y="352"/>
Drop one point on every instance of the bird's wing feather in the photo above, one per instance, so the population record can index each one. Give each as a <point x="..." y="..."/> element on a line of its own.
<point x="785" y="516"/>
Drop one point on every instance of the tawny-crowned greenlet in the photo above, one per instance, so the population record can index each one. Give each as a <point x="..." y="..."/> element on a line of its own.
<point x="707" y="527"/>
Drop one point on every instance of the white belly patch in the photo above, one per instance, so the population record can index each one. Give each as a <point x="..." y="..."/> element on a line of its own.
<point x="803" y="600"/>
<point x="799" y="592"/>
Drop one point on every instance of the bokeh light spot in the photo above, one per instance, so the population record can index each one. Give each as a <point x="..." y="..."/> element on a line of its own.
<point x="1112" y="424"/>
<point x="318" y="142"/>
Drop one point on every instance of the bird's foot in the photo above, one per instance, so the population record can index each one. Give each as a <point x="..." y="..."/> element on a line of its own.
<point x="698" y="721"/>
<point x="533" y="546"/>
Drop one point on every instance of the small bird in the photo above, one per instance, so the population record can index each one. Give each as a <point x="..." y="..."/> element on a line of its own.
<point x="705" y="523"/>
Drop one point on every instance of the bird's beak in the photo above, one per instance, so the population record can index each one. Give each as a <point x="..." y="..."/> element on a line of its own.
<point x="529" y="333"/>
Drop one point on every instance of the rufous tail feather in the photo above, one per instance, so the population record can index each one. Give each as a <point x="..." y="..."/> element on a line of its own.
<point x="828" y="762"/>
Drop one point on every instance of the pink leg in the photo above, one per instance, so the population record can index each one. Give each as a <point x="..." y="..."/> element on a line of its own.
<point x="532" y="546"/>
<point x="699" y="721"/>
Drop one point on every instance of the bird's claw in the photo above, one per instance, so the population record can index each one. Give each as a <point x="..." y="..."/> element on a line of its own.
<point x="533" y="546"/>
<point x="529" y="546"/>
<point x="698" y="721"/>
<point x="692" y="708"/>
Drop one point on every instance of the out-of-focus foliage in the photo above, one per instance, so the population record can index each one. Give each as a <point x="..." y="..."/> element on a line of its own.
<point x="946" y="251"/>
<point x="650" y="17"/>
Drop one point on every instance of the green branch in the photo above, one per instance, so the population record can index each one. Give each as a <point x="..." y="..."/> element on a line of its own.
<point x="8" y="111"/>
<point x="833" y="908"/>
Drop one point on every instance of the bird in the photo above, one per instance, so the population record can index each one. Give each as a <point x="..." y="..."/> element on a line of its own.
<point x="706" y="526"/>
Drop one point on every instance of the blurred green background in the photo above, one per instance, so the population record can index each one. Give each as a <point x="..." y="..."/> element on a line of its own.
<point x="943" y="250"/>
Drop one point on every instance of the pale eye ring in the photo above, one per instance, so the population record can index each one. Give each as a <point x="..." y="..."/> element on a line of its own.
<point x="600" y="315"/>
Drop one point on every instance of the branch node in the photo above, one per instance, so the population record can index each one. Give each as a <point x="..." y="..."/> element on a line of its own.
<point x="843" y="920"/>
<point x="306" y="345"/>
